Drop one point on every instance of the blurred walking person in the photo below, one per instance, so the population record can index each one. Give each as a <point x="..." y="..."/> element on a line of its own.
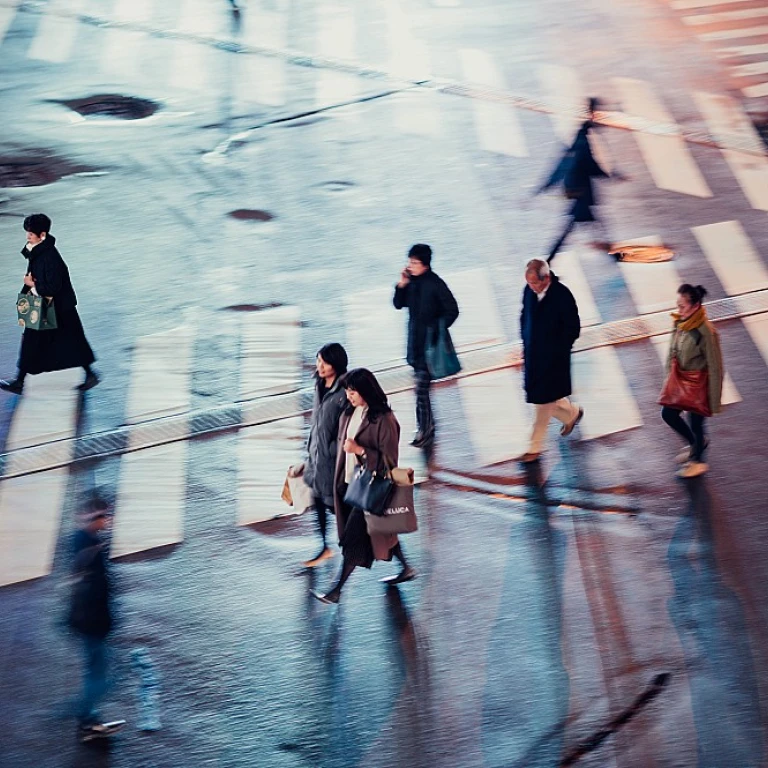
<point x="91" y="618"/>
<point x="429" y="301"/>
<point x="64" y="346"/>
<point x="549" y="326"/>
<point x="330" y="401"/>
<point x="369" y="436"/>
<point x="694" y="378"/>
<point x="576" y="171"/>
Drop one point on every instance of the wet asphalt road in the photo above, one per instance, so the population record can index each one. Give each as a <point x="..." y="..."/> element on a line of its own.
<point x="543" y="612"/>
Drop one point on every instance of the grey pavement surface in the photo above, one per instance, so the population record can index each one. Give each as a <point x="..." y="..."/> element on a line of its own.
<point x="546" y="607"/>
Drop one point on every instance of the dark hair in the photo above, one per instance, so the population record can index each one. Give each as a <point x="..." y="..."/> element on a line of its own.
<point x="335" y="355"/>
<point x="422" y="252"/>
<point x="37" y="223"/>
<point x="694" y="293"/>
<point x="593" y="104"/>
<point x="362" y="381"/>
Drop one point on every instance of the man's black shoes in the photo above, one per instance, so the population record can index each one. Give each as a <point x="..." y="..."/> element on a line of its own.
<point x="15" y="386"/>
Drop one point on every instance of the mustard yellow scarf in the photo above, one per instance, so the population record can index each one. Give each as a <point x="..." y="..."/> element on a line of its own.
<point x="699" y="317"/>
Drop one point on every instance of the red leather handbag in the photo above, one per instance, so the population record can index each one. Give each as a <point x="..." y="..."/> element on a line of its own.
<point x="686" y="390"/>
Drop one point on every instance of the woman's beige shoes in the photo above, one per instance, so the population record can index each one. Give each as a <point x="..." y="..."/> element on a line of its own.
<point x="326" y="554"/>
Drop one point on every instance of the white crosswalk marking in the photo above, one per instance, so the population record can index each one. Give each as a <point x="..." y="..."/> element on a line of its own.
<point x="7" y="15"/>
<point x="742" y="50"/>
<point x="121" y="57"/>
<point x="479" y="317"/>
<point x="733" y="34"/>
<point x="653" y="286"/>
<point x="31" y="506"/>
<point x="497" y="125"/>
<point x="403" y="405"/>
<point x="336" y="39"/>
<point x="756" y="91"/>
<point x="195" y="17"/>
<point x="725" y="16"/>
<point x="728" y="122"/>
<point x="55" y="37"/>
<point x="747" y="70"/>
<point x="602" y="389"/>
<point x="730" y="393"/>
<point x="191" y="66"/>
<point x="497" y="416"/>
<point x="571" y="274"/>
<point x="757" y="326"/>
<point x="562" y="89"/>
<point x="262" y="79"/>
<point x="731" y="254"/>
<point x="149" y="510"/>
<point x="684" y="5"/>
<point x="270" y="361"/>
<point x="668" y="158"/>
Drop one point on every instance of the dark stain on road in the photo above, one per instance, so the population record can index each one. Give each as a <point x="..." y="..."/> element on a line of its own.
<point x="35" y="168"/>
<point x="335" y="187"/>
<point x="249" y="214"/>
<point x="112" y="105"/>
<point x="251" y="307"/>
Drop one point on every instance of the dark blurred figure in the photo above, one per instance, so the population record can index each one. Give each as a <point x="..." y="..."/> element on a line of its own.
<point x="576" y="170"/>
<point x="64" y="346"/>
<point x="91" y="617"/>
<point x="429" y="300"/>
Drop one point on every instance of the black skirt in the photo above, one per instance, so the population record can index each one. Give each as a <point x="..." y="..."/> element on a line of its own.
<point x="355" y="542"/>
<point x="64" y="347"/>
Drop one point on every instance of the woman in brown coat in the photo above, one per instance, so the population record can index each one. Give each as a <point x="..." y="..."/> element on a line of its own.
<point x="369" y="436"/>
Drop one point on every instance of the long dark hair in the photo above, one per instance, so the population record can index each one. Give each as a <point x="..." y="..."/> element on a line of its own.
<point x="362" y="381"/>
<point x="336" y="356"/>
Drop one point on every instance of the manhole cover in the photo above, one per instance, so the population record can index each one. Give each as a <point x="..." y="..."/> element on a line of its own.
<point x="35" y="169"/>
<point x="249" y="214"/>
<point x="112" y="105"/>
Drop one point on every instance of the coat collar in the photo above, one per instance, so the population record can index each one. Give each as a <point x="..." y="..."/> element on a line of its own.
<point x="43" y="247"/>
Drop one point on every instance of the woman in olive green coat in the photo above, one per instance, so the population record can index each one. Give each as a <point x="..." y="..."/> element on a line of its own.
<point x="695" y="345"/>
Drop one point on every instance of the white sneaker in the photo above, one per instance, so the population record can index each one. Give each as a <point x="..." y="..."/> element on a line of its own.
<point x="684" y="455"/>
<point x="100" y="730"/>
<point x="692" y="469"/>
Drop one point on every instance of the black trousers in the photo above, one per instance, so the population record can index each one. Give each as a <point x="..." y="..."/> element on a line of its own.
<point x="693" y="434"/>
<point x="424" y="417"/>
<point x="323" y="511"/>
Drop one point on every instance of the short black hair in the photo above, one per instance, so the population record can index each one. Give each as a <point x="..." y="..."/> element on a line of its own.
<point x="37" y="223"/>
<point x="335" y="355"/>
<point x="422" y="252"/>
<point x="694" y="293"/>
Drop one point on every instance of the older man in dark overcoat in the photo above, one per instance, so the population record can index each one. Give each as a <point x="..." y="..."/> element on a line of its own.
<point x="549" y="326"/>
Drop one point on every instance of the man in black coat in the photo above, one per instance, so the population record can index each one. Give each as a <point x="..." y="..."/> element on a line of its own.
<point x="64" y="346"/>
<point x="90" y="616"/>
<point x="549" y="326"/>
<point x="429" y="300"/>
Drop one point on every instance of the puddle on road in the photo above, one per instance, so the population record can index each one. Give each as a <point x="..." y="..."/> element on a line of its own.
<point x="36" y="168"/>
<point x="112" y="105"/>
<point x="251" y="214"/>
<point x="251" y="307"/>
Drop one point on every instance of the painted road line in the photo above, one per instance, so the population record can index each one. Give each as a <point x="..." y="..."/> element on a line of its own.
<point x="151" y="495"/>
<point x="196" y="18"/>
<point x="336" y="39"/>
<point x="750" y="70"/>
<point x="732" y="256"/>
<point x="270" y="353"/>
<point x="31" y="506"/>
<point x="653" y="286"/>
<point x="571" y="274"/>
<point x="375" y="330"/>
<point x="742" y="50"/>
<point x="733" y="34"/>
<point x="55" y="36"/>
<point x="270" y="362"/>
<point x="122" y="49"/>
<point x="683" y="5"/>
<point x="727" y="121"/>
<point x="30" y="518"/>
<point x="479" y="319"/>
<point x="403" y="404"/>
<point x="7" y="15"/>
<point x="497" y="125"/>
<point x="132" y="10"/>
<point x="668" y="158"/>
<point x="730" y="393"/>
<point x="757" y="326"/>
<point x="725" y="16"/>
<point x="496" y="414"/>
<point x="602" y="390"/>
<point x="562" y="89"/>
<point x="191" y="67"/>
<point x="262" y="79"/>
<point x="756" y="91"/>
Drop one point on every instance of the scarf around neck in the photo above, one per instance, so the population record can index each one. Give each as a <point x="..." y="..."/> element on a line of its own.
<point x="699" y="317"/>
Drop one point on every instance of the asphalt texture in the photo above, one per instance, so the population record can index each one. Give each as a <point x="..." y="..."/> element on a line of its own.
<point x="604" y="614"/>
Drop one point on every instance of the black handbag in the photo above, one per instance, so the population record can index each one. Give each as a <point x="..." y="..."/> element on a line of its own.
<point x="442" y="360"/>
<point x="369" y="491"/>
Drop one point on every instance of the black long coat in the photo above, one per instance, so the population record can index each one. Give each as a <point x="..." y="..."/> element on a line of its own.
<point x="322" y="446"/>
<point x="548" y="329"/>
<point x="66" y="345"/>
<point x="575" y="171"/>
<point x="90" y="609"/>
<point x="428" y="299"/>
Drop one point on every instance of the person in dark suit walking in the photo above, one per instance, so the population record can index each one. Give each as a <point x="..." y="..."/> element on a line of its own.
<point x="64" y="346"/>
<point x="549" y="326"/>
<point x="429" y="300"/>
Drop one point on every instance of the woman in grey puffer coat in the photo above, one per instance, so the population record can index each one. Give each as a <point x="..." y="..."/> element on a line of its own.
<point x="329" y="403"/>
